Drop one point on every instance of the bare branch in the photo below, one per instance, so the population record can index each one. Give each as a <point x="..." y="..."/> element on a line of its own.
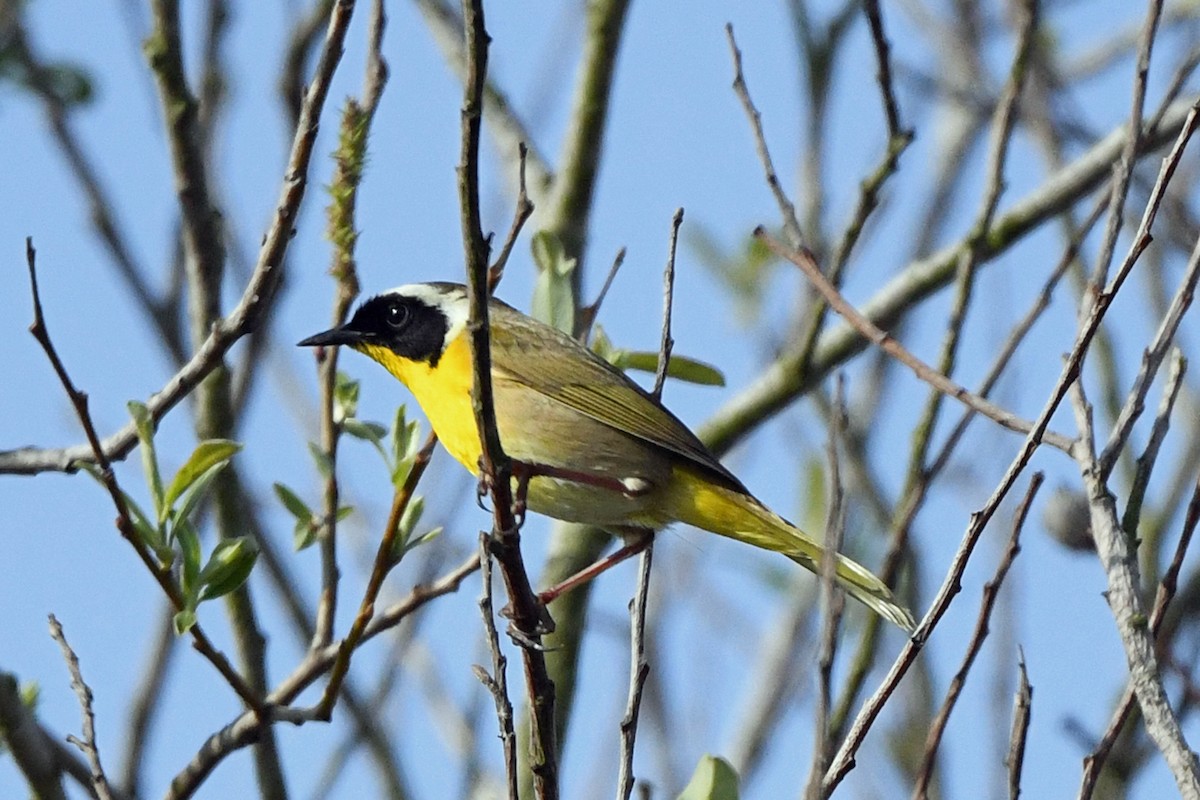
<point x="991" y="590"/>
<point x="885" y="342"/>
<point x="1022" y="713"/>
<point x="497" y="682"/>
<point x="84" y="693"/>
<point x="529" y="617"/>
<point x="891" y="108"/>
<point x="791" y="224"/>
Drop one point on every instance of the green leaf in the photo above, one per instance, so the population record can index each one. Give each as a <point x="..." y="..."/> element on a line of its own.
<point x="401" y="436"/>
<point x="145" y="434"/>
<point x="553" y="298"/>
<point x="321" y="459"/>
<point x="713" y="779"/>
<point x="304" y="534"/>
<point x="405" y="444"/>
<point x="411" y="516"/>
<point x="408" y="521"/>
<point x="680" y="368"/>
<point x="405" y="437"/>
<point x="192" y="496"/>
<point x="189" y="550"/>
<point x="293" y="503"/>
<point x="371" y="432"/>
<point x="343" y="512"/>
<point x="206" y="455"/>
<point x="426" y="537"/>
<point x="228" y="567"/>
<point x="150" y="534"/>
<point x="184" y="620"/>
<point x="345" y="397"/>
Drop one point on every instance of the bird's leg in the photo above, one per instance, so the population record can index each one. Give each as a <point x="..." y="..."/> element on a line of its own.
<point x="591" y="571"/>
<point x="523" y="473"/>
<point x="483" y="487"/>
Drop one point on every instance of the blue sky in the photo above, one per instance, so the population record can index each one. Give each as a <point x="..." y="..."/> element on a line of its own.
<point x="677" y="137"/>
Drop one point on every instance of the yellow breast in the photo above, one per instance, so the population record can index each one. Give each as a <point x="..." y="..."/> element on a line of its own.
<point x="444" y="393"/>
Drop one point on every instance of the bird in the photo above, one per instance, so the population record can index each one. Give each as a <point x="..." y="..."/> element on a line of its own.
<point x="597" y="448"/>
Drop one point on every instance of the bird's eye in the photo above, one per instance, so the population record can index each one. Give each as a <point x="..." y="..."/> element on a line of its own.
<point x="397" y="315"/>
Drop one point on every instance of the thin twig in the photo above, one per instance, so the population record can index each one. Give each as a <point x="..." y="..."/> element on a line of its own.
<point x="1135" y="401"/>
<point x="84" y="693"/>
<point x="243" y="730"/>
<point x="1158" y="433"/>
<point x="833" y="601"/>
<point x="891" y="108"/>
<point x="865" y="655"/>
<point x="782" y="381"/>
<point x="791" y="224"/>
<point x="1022" y="713"/>
<point x="639" y="671"/>
<point x="639" y="666"/>
<point x="666" y="343"/>
<point x="497" y="682"/>
<point x="893" y="348"/>
<point x="991" y="590"/>
<point x="79" y="400"/>
<point x="522" y="210"/>
<point x="349" y="158"/>
<point x="1123" y="175"/>
<point x="589" y="313"/>
<point x="384" y="561"/>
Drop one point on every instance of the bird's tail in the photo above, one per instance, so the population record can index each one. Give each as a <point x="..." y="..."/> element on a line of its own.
<point x="740" y="516"/>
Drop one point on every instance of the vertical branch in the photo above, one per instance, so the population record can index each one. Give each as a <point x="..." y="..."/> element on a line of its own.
<point x="1022" y="713"/>
<point x="1123" y="175"/>
<point x="666" y="343"/>
<point x="639" y="670"/>
<point x="204" y="265"/>
<point x="84" y="693"/>
<point x="639" y="666"/>
<point x="529" y="620"/>
<point x="497" y="682"/>
<point x="891" y="109"/>
<point x="349" y="162"/>
<point x="833" y="602"/>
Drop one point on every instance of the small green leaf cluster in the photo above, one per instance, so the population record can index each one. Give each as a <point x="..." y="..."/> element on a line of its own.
<point x="398" y="447"/>
<point x="171" y="532"/>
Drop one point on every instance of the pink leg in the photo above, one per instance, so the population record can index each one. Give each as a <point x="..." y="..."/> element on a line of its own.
<point x="591" y="571"/>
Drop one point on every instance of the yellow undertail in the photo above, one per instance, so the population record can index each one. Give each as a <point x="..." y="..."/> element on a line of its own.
<point x="695" y="500"/>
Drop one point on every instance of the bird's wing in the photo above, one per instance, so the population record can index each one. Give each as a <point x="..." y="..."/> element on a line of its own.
<point x="591" y="386"/>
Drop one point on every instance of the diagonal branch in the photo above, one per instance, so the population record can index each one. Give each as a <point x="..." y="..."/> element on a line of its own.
<point x="885" y="342"/>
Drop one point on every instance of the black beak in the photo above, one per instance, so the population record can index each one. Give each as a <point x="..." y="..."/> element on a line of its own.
<point x="330" y="337"/>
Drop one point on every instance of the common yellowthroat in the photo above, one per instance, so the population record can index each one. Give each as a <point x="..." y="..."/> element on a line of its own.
<point x="601" y="449"/>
